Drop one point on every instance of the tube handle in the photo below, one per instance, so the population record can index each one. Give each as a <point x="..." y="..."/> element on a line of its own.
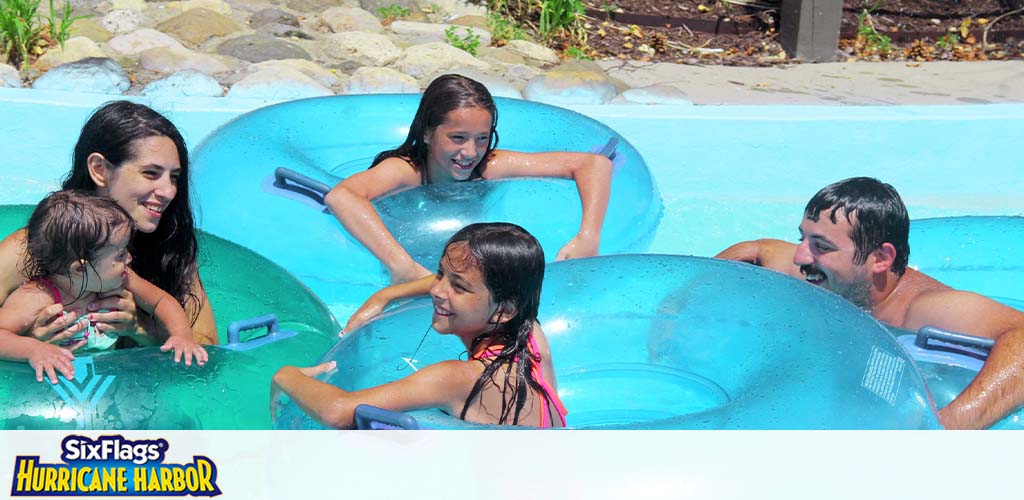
<point x="927" y="333"/>
<point x="268" y="321"/>
<point x="290" y="180"/>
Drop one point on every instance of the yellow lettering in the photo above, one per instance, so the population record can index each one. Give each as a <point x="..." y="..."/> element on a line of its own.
<point x="191" y="479"/>
<point x="95" y="480"/>
<point x="205" y="474"/>
<point x="122" y="479"/>
<point x="139" y="477"/>
<point x="50" y="481"/>
<point x="178" y="474"/>
<point x="109" y="479"/>
<point x="154" y="480"/>
<point x="26" y="467"/>
<point x="165" y="479"/>
<point x="80" y="479"/>
<point x="63" y="480"/>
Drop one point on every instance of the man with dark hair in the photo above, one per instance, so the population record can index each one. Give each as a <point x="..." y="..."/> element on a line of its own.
<point x="854" y="242"/>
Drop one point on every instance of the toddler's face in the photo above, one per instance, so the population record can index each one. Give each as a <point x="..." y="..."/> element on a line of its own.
<point x="109" y="270"/>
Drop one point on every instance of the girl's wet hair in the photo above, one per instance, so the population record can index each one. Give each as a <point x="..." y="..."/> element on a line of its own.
<point x="511" y="262"/>
<point x="168" y="256"/>
<point x="72" y="226"/>
<point x="445" y="94"/>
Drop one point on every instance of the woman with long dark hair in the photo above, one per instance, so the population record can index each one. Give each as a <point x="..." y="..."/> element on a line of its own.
<point x="137" y="157"/>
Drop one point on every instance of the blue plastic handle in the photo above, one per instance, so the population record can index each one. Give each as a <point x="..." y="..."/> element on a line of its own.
<point x="300" y="184"/>
<point x="609" y="149"/>
<point x="369" y="417"/>
<point x="927" y="333"/>
<point x="268" y="321"/>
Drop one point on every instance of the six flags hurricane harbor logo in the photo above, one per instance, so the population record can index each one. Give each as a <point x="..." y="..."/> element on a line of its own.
<point x="113" y="466"/>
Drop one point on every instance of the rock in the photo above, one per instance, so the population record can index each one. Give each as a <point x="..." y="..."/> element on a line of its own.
<point x="218" y="6"/>
<point x="121" y="21"/>
<point x="573" y="82"/>
<point x="184" y="83"/>
<point x="284" y="31"/>
<point x="534" y="54"/>
<point x="318" y="5"/>
<point x="261" y="47"/>
<point x="278" y="84"/>
<point x="322" y="76"/>
<point x="339" y="19"/>
<point x="368" y="80"/>
<point x="92" y="75"/>
<point x="472" y="21"/>
<point x="413" y="33"/>
<point x="353" y="49"/>
<point x="138" y="5"/>
<point x="519" y="74"/>
<point x="141" y="40"/>
<point x="455" y="8"/>
<point x="198" y="25"/>
<point x="171" y="60"/>
<point x="272" y="16"/>
<point x="9" y="76"/>
<point x="421" y="61"/>
<point x="74" y="49"/>
<point x="498" y="55"/>
<point x="656" y="94"/>
<point x="374" y="5"/>
<point x="90" y="29"/>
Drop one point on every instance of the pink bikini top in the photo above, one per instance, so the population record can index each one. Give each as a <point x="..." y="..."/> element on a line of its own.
<point x="548" y="393"/>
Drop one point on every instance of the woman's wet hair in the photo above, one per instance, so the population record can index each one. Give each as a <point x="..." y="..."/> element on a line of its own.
<point x="875" y="212"/>
<point x="445" y="94"/>
<point x="168" y="256"/>
<point x="70" y="227"/>
<point x="511" y="262"/>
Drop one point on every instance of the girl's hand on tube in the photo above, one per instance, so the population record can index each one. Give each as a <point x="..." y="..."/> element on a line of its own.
<point x="48" y="360"/>
<point x="582" y="245"/>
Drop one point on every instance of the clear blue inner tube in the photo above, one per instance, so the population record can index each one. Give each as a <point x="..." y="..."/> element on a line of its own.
<point x="328" y="139"/>
<point x="673" y="342"/>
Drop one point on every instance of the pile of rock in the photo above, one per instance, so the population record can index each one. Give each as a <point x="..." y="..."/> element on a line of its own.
<point x="288" y="49"/>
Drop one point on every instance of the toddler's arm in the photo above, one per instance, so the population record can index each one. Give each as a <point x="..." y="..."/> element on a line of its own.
<point x="18" y="311"/>
<point x="169" y="312"/>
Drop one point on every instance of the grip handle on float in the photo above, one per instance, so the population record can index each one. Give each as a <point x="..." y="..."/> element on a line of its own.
<point x="295" y="182"/>
<point x="609" y="149"/>
<point x="369" y="417"/>
<point x="268" y="321"/>
<point x="927" y="333"/>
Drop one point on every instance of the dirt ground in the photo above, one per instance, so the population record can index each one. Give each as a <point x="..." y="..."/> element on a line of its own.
<point x="728" y="32"/>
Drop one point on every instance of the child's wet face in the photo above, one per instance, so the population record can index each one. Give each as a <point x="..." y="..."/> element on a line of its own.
<point x="109" y="270"/>
<point x="462" y="302"/>
<point x="458" y="144"/>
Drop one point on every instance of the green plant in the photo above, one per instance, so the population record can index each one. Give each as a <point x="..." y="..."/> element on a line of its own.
<point x="577" y="53"/>
<point x="558" y="15"/>
<point x="608" y="8"/>
<point x="22" y="32"/>
<point x="947" y="41"/>
<point x="503" y="29"/>
<point x="392" y="12"/>
<point x="872" y="40"/>
<point x="469" y="42"/>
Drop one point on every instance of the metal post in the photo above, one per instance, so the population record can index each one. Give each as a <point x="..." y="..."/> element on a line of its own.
<point x="810" y="28"/>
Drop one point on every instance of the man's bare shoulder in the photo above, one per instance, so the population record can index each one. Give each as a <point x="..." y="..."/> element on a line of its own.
<point x="930" y="302"/>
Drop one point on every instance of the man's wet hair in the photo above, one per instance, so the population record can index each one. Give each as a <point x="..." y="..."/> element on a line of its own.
<point x="875" y="212"/>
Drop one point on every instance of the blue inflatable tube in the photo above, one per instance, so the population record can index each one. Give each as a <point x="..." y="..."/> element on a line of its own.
<point x="328" y="139"/>
<point x="673" y="342"/>
<point x="980" y="254"/>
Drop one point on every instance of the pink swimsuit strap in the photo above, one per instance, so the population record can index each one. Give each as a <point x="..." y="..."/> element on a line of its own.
<point x="549" y="394"/>
<point x="57" y="298"/>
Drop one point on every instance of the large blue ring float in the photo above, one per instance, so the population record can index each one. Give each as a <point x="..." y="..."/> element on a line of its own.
<point x="143" y="388"/>
<point x="673" y="342"/>
<point x="327" y="139"/>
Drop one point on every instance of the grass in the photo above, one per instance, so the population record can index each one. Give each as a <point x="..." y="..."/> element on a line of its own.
<point x="25" y="34"/>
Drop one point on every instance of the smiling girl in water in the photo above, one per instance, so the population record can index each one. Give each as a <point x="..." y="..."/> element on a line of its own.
<point x="486" y="292"/>
<point x="453" y="138"/>
<point x="77" y="246"/>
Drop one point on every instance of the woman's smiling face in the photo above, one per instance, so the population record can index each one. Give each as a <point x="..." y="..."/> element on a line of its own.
<point x="147" y="182"/>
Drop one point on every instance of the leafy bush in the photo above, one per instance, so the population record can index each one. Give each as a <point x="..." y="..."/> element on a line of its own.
<point x="469" y="42"/>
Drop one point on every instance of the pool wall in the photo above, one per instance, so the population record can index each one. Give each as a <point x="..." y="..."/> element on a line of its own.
<point x="726" y="173"/>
